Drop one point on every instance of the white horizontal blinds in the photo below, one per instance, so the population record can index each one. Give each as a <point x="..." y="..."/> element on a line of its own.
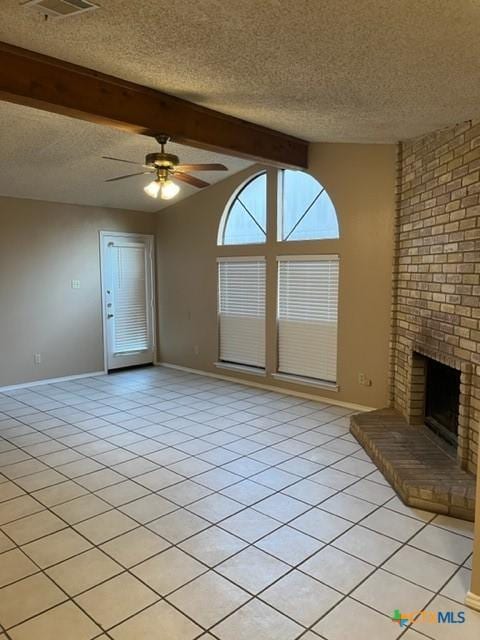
<point x="130" y="331"/>
<point x="307" y="316"/>
<point x="241" y="307"/>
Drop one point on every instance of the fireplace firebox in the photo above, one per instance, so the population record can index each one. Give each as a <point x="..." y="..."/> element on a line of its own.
<point x="442" y="400"/>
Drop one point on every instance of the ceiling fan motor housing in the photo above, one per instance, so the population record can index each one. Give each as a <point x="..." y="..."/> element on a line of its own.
<point x="159" y="160"/>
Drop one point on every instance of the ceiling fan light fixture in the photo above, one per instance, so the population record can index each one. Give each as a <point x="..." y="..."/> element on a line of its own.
<point x="153" y="189"/>
<point x="163" y="166"/>
<point x="168" y="190"/>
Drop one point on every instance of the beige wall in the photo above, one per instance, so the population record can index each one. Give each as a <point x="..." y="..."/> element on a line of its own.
<point x="475" y="583"/>
<point x="360" y="180"/>
<point x="43" y="246"/>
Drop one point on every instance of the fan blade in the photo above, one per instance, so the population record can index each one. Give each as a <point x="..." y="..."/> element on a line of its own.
<point x="202" y="167"/>
<point x="130" y="175"/>
<point x="139" y="164"/>
<point x="195" y="182"/>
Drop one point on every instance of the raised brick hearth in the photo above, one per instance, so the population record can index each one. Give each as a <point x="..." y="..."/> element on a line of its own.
<point x="413" y="460"/>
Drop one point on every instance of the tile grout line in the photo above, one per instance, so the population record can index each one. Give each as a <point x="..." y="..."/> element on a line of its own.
<point x="70" y="526"/>
<point x="311" y="507"/>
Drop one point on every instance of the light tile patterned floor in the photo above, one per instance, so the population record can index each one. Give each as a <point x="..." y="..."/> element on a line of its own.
<point x="160" y="504"/>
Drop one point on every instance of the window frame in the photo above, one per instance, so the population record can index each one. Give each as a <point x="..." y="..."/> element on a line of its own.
<point x="228" y="207"/>
<point x="279" y="217"/>
<point x="239" y="366"/>
<point x="295" y="377"/>
<point x="275" y="249"/>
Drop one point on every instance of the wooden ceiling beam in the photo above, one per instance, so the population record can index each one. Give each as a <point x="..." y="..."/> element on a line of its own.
<point x="39" y="81"/>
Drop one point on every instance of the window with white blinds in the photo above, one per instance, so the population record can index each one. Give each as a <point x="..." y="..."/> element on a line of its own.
<point x="131" y="330"/>
<point x="241" y="310"/>
<point x="307" y="316"/>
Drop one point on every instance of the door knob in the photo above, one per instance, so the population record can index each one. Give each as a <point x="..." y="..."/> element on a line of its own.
<point x="110" y="315"/>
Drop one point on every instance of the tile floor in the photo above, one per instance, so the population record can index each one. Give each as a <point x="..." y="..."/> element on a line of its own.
<point x="160" y="504"/>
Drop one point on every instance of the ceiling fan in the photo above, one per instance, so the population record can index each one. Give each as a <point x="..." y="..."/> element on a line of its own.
<point x="166" y="168"/>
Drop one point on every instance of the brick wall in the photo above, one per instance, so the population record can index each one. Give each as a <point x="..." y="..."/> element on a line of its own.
<point x="436" y="306"/>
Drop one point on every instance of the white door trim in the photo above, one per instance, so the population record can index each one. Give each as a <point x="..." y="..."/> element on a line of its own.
<point x="140" y="236"/>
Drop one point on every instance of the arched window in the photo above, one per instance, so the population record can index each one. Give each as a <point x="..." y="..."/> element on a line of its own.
<point x="307" y="212"/>
<point x="245" y="220"/>
<point x="307" y="285"/>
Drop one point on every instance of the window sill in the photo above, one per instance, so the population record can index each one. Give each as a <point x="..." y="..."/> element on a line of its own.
<point x="320" y="384"/>
<point x="241" y="368"/>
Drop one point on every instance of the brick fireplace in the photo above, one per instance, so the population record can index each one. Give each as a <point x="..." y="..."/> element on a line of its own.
<point x="435" y="343"/>
<point x="436" y="311"/>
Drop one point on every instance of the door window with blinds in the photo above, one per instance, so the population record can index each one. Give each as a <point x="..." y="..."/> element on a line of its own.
<point x="241" y="311"/>
<point x="308" y="316"/>
<point x="127" y="275"/>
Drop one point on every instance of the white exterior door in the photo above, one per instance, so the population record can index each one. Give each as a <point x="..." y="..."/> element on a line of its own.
<point x="128" y="299"/>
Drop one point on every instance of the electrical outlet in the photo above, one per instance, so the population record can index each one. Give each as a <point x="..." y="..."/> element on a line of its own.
<point x="196" y="349"/>
<point x="37" y="358"/>
<point x="363" y="380"/>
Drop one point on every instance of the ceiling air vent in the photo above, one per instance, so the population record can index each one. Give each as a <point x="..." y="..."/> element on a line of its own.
<point x="60" y="8"/>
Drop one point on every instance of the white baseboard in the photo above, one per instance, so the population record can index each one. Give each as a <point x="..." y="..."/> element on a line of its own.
<point x="472" y="601"/>
<point x="229" y="378"/>
<point x="38" y="383"/>
<point x="267" y="387"/>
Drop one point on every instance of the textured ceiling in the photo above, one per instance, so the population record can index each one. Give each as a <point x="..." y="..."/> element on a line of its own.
<point x="45" y="156"/>
<point x="336" y="70"/>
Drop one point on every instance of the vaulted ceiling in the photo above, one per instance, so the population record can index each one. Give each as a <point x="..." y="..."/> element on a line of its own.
<point x="336" y="70"/>
<point x="46" y="156"/>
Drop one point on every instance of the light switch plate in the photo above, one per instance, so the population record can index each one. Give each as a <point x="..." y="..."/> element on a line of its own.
<point x="75" y="284"/>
